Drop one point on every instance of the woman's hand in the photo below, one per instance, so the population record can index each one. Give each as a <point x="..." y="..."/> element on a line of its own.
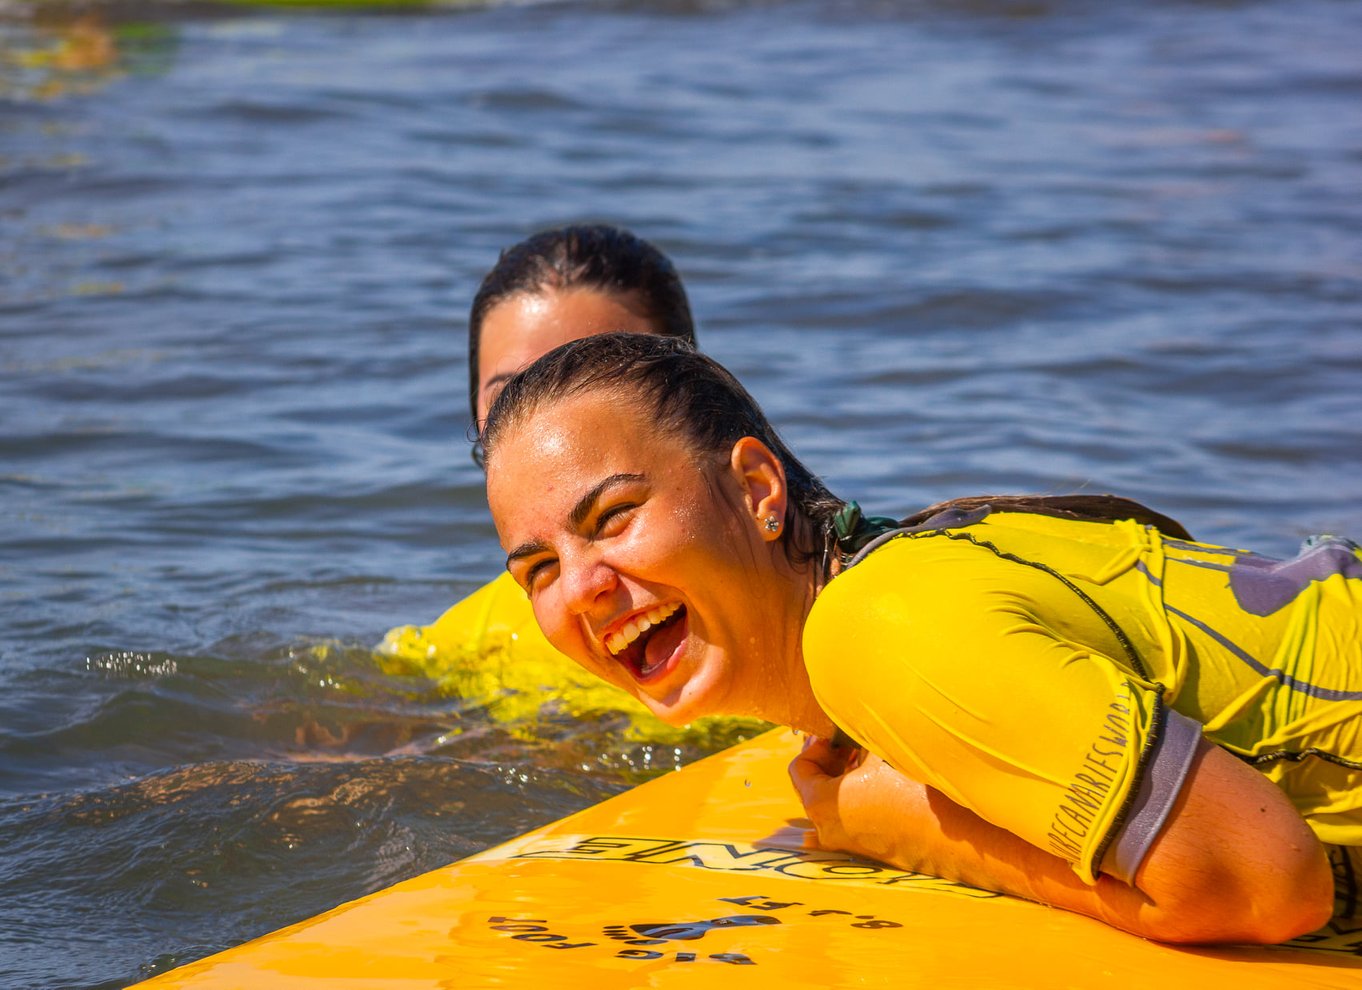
<point x="860" y="804"/>
<point x="856" y="801"/>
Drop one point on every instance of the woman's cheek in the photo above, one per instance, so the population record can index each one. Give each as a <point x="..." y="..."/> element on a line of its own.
<point x="565" y="634"/>
<point x="552" y="622"/>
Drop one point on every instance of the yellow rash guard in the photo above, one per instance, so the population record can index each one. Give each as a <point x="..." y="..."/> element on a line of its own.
<point x="487" y="648"/>
<point x="1054" y="676"/>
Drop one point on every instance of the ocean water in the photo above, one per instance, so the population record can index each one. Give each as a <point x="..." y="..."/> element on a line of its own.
<point x="953" y="247"/>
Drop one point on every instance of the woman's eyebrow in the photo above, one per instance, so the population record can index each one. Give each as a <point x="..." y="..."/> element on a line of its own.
<point x="526" y="550"/>
<point x="583" y="507"/>
<point x="578" y="515"/>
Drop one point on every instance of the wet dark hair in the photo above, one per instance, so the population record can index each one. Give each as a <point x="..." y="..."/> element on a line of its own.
<point x="1085" y="508"/>
<point x="581" y="256"/>
<point x="698" y="399"/>
<point x="692" y="395"/>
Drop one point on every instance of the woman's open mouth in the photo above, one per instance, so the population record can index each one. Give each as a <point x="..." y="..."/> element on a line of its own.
<point x="648" y="641"/>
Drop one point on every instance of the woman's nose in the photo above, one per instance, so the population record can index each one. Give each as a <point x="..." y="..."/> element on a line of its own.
<point x="589" y="580"/>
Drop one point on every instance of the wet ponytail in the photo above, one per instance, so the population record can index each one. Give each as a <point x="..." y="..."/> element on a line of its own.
<point x="1087" y="508"/>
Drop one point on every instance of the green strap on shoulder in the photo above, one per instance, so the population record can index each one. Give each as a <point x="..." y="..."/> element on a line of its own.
<point x="854" y="530"/>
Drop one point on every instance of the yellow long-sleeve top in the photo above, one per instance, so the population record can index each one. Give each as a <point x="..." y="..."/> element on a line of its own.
<point x="1054" y="675"/>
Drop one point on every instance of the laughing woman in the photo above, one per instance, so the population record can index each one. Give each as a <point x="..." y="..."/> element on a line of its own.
<point x="1066" y="699"/>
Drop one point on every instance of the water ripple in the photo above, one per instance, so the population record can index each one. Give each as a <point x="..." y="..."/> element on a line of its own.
<point x="1007" y="247"/>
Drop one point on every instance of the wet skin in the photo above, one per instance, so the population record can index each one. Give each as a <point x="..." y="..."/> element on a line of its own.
<point x="523" y="328"/>
<point x="608" y="520"/>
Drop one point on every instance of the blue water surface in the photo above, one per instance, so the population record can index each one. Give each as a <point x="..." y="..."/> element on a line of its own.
<point x="953" y="247"/>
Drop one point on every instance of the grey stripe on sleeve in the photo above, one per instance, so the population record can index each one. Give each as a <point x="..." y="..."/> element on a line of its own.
<point x="1164" y="776"/>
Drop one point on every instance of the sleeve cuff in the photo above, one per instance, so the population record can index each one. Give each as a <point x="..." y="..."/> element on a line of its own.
<point x="1164" y="776"/>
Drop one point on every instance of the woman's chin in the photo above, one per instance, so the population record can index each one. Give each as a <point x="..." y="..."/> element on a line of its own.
<point x="675" y="719"/>
<point x="697" y="697"/>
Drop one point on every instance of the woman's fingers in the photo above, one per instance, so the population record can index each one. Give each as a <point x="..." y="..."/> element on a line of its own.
<point x="815" y="773"/>
<point x="819" y="771"/>
<point x="807" y="772"/>
<point x="816" y="748"/>
<point x="832" y="759"/>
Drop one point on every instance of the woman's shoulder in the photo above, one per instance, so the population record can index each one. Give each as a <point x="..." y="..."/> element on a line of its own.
<point x="955" y="573"/>
<point x="497" y="611"/>
<point x="994" y="541"/>
<point x="902" y="584"/>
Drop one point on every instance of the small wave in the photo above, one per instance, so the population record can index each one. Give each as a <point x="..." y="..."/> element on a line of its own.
<point x="195" y="858"/>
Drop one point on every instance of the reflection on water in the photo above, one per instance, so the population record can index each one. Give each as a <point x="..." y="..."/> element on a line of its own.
<point x="58" y="52"/>
<point x="951" y="247"/>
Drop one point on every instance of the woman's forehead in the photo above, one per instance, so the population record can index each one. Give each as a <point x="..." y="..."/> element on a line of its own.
<point x="602" y="407"/>
<point x="543" y="465"/>
<point x="575" y="432"/>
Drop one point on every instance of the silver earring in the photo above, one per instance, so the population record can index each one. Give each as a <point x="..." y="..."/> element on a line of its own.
<point x="772" y="524"/>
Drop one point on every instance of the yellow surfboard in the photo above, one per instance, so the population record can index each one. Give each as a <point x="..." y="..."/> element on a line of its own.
<point x="707" y="878"/>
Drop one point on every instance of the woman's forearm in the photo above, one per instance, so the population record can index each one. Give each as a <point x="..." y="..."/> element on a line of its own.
<point x="1184" y="892"/>
<point x="950" y="841"/>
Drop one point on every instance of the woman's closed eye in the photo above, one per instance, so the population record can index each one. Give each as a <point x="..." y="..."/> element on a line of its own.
<point x="613" y="519"/>
<point x="530" y="563"/>
<point x="534" y="564"/>
<point x="537" y="572"/>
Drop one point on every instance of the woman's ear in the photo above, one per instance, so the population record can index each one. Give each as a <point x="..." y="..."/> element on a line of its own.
<point x="762" y="479"/>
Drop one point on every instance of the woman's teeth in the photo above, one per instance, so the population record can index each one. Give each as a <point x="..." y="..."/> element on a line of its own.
<point x="637" y="626"/>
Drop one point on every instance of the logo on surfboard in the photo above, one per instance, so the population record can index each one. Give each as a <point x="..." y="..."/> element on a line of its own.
<point x="737" y="857"/>
<point x="651" y="940"/>
<point x="685" y="931"/>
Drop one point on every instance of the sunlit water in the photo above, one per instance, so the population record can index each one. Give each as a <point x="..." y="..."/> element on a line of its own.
<point x="953" y="247"/>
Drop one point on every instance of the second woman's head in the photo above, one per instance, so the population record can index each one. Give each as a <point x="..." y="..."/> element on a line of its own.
<point x="563" y="284"/>
<point x="668" y="539"/>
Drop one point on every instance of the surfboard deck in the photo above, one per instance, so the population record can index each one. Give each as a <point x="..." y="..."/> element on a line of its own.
<point x="707" y="878"/>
